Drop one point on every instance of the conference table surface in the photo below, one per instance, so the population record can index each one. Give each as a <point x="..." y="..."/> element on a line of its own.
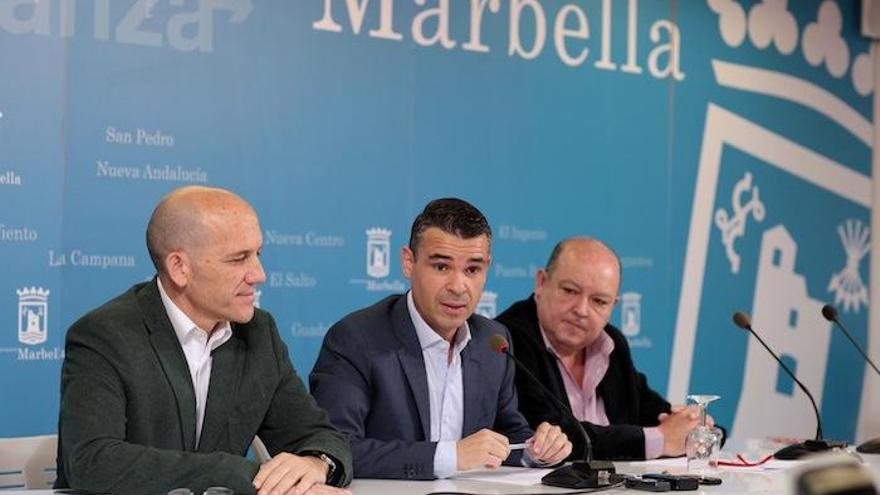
<point x="772" y="478"/>
<point x="775" y="477"/>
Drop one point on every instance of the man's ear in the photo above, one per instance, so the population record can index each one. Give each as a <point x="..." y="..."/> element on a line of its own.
<point x="177" y="266"/>
<point x="407" y="261"/>
<point x="540" y="279"/>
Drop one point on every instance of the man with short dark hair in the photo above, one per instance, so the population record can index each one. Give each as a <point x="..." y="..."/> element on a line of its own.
<point x="166" y="385"/>
<point x="412" y="379"/>
<point x="562" y="334"/>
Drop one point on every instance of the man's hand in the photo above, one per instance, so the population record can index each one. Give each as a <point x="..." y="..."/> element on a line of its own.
<point x="484" y="448"/>
<point x="675" y="427"/>
<point x="710" y="421"/>
<point x="293" y="475"/>
<point x="549" y="445"/>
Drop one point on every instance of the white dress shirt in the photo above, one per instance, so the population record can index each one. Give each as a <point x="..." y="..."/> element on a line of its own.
<point x="197" y="347"/>
<point x="445" y="389"/>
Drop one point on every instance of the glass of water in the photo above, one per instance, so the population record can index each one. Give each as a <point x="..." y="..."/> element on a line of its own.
<point x="703" y="443"/>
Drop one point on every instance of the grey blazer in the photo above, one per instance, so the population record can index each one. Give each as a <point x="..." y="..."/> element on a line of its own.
<point x="127" y="416"/>
<point x="370" y="376"/>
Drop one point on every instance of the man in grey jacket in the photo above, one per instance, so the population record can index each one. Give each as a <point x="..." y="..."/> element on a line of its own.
<point x="166" y="385"/>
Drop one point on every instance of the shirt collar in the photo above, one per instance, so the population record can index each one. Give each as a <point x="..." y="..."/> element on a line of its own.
<point x="184" y="326"/>
<point x="603" y="345"/>
<point x="427" y="336"/>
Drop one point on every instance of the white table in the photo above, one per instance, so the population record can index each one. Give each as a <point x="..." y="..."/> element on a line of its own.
<point x="735" y="481"/>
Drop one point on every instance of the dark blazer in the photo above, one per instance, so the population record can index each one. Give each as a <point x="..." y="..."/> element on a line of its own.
<point x="127" y="421"/>
<point x="370" y="376"/>
<point x="629" y="403"/>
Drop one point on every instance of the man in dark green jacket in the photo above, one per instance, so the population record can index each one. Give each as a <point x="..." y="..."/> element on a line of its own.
<point x="166" y="385"/>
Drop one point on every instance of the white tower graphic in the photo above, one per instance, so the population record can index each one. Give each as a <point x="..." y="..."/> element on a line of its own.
<point x="788" y="320"/>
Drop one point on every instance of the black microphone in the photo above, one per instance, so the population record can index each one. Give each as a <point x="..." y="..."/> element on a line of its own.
<point x="830" y="314"/>
<point x="500" y="344"/>
<point x="580" y="474"/>
<point x="797" y="450"/>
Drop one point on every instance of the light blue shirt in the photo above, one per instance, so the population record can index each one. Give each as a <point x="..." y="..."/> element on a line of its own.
<point x="445" y="389"/>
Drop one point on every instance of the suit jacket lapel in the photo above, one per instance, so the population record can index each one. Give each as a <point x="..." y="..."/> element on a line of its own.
<point x="170" y="355"/>
<point x="470" y="371"/>
<point x="613" y="394"/>
<point x="227" y="366"/>
<point x="550" y="363"/>
<point x="412" y="362"/>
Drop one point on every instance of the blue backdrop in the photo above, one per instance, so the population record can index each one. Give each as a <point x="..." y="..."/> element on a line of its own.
<point x="723" y="148"/>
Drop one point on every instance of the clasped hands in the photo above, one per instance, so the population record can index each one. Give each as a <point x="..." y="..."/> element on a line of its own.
<point x="675" y="426"/>
<point x="488" y="449"/>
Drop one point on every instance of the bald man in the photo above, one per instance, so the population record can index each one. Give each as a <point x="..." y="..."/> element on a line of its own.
<point x="166" y="385"/>
<point x="562" y="334"/>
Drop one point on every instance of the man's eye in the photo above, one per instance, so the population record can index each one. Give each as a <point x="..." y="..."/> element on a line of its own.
<point x="441" y="268"/>
<point x="474" y="270"/>
<point x="602" y="303"/>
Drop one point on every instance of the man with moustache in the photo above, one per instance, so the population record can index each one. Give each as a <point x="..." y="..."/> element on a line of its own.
<point x="166" y="385"/>
<point x="412" y="379"/>
<point x="562" y="334"/>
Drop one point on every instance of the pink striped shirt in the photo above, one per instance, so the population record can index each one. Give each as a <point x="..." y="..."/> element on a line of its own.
<point x="585" y="402"/>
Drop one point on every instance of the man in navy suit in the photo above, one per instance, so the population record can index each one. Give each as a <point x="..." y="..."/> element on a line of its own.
<point x="413" y="381"/>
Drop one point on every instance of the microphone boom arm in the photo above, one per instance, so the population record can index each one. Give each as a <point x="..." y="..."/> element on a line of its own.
<point x="794" y="377"/>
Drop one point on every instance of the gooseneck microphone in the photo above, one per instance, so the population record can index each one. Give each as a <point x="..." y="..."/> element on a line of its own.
<point x="499" y="344"/>
<point x="586" y="473"/>
<point x="798" y="450"/>
<point x="830" y="314"/>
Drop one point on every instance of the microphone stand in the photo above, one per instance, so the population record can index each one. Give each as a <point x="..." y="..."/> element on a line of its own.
<point x="830" y="314"/>
<point x="801" y="449"/>
<point x="586" y="473"/>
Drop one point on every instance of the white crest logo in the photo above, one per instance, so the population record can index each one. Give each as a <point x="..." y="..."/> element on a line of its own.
<point x="378" y="252"/>
<point x="782" y="301"/>
<point x="733" y="227"/>
<point x="847" y="284"/>
<point x="33" y="315"/>
<point x="631" y="313"/>
<point x="488" y="305"/>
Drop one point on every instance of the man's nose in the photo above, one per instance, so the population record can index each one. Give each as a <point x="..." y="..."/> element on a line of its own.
<point x="256" y="275"/>
<point x="582" y="307"/>
<point x="457" y="283"/>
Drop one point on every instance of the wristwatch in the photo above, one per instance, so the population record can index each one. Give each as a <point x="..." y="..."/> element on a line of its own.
<point x="331" y="464"/>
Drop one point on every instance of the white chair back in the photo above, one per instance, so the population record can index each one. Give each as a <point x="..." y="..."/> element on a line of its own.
<point x="261" y="453"/>
<point x="28" y="462"/>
